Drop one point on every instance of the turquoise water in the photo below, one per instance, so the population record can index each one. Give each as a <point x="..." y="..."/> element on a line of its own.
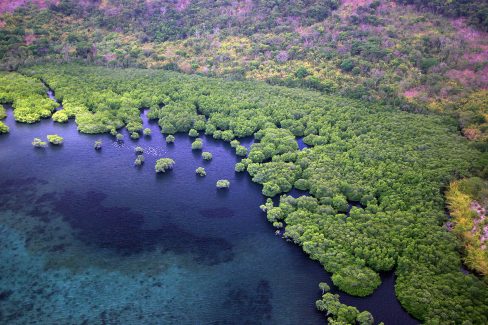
<point x="88" y="238"/>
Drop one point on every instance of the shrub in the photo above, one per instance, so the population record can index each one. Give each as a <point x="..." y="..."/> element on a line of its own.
<point x="206" y="155"/>
<point x="4" y="128"/>
<point x="38" y="143"/>
<point x="234" y="143"/>
<point x="164" y="164"/>
<point x="240" y="167"/>
<point x="119" y="137"/>
<point x="193" y="133"/>
<point x="134" y="135"/>
<point x="223" y="183"/>
<point x="139" y="150"/>
<point x="139" y="160"/>
<point x="55" y="139"/>
<point x="201" y="171"/>
<point x="197" y="144"/>
<point x="170" y="139"/>
<point x="60" y="116"/>
<point x="147" y="132"/>
<point x="98" y="145"/>
<point x="241" y="151"/>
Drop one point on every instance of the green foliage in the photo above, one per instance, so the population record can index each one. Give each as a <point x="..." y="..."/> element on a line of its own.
<point x="324" y="287"/>
<point x="3" y="113"/>
<point x="197" y="144"/>
<point x="27" y="96"/>
<point x="119" y="137"/>
<point x="201" y="171"/>
<point x="240" y="167"/>
<point x="134" y="135"/>
<point x="340" y="313"/>
<point x="97" y="145"/>
<point x="60" y="116"/>
<point x="241" y="151"/>
<point x="55" y="139"/>
<point x="38" y="143"/>
<point x="147" y="132"/>
<point x="395" y="163"/>
<point x="164" y="164"/>
<point x="139" y="150"/>
<point x="139" y="160"/>
<point x="4" y="128"/>
<point x="170" y="139"/>
<point x="234" y="143"/>
<point x="223" y="183"/>
<point x="207" y="155"/>
<point x="193" y="133"/>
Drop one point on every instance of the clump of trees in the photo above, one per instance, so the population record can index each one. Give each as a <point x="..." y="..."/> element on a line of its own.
<point x="55" y="139"/>
<point x="139" y="150"/>
<point x="340" y="313"/>
<point x="60" y="116"/>
<point x="223" y="183"/>
<point x="4" y="128"/>
<point x="193" y="133"/>
<point x="3" y="113"/>
<point x="201" y="171"/>
<point x="207" y="155"/>
<point x="164" y="164"/>
<point x="38" y="143"/>
<point x="139" y="160"/>
<point x="170" y="139"/>
<point x="197" y="144"/>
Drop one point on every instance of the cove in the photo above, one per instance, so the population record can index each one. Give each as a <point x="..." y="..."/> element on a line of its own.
<point x="87" y="237"/>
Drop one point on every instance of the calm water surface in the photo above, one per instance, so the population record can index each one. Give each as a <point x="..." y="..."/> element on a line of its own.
<point x="87" y="237"/>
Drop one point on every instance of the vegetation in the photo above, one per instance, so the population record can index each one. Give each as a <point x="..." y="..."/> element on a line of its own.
<point x="97" y="145"/>
<point x="60" y="116"/>
<point x="38" y="143"/>
<point x="55" y="139"/>
<point x="197" y="144"/>
<point x="170" y="139"/>
<point x="207" y="155"/>
<point x="164" y="164"/>
<point x="3" y="113"/>
<point x="467" y="200"/>
<point x="193" y="133"/>
<point x="139" y="160"/>
<point x="139" y="150"/>
<point x="147" y="132"/>
<point x="4" y="128"/>
<point x="370" y="61"/>
<point x="201" y="171"/>
<point x="395" y="163"/>
<point x="241" y="151"/>
<point x="27" y="96"/>
<point x="393" y="52"/>
<point x="223" y="183"/>
<point x="342" y="314"/>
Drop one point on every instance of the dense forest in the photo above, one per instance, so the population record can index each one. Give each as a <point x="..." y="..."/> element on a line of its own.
<point x="389" y="97"/>
<point x="379" y="50"/>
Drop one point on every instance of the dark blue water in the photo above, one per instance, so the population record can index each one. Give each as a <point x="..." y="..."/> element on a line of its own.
<point x="85" y="236"/>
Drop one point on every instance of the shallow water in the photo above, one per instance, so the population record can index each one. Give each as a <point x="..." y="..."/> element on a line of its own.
<point x="85" y="236"/>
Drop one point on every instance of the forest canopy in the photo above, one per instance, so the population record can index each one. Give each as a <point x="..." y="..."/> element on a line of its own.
<point x="373" y="175"/>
